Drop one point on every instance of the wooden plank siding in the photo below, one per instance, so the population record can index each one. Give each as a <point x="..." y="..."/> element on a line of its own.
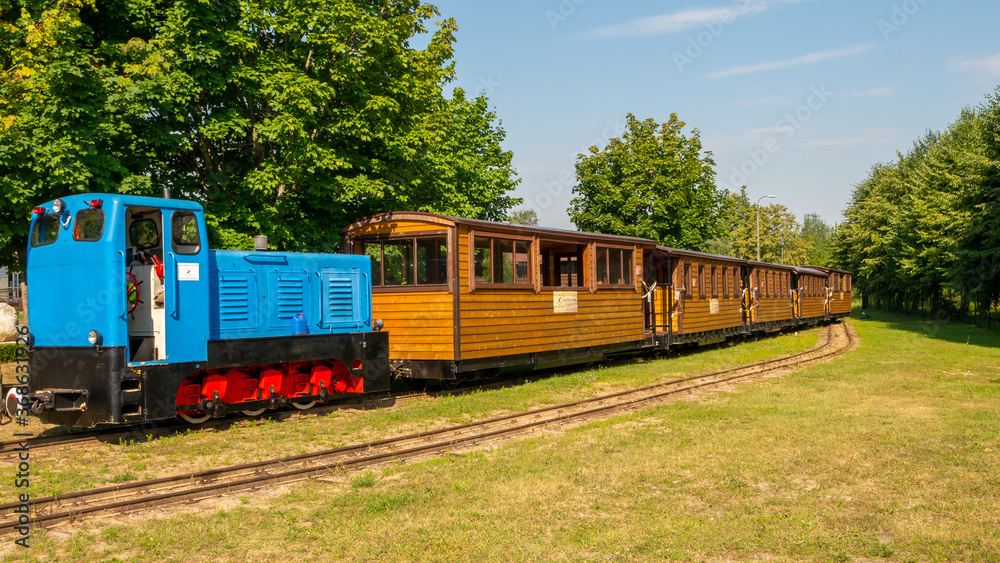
<point x="812" y="296"/>
<point x="696" y="312"/>
<point x="840" y="303"/>
<point x="510" y="321"/>
<point x="697" y="316"/>
<point x="499" y="323"/>
<point x="773" y="294"/>
<point x="475" y="323"/>
<point x="772" y="309"/>
<point x="812" y="307"/>
<point x="420" y="323"/>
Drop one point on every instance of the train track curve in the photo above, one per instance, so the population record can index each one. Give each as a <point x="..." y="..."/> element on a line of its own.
<point x="192" y="487"/>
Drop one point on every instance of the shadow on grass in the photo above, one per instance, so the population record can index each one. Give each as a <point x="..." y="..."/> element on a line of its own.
<point x="940" y="328"/>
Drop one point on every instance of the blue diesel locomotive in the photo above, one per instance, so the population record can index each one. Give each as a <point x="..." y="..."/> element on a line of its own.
<point x="134" y="319"/>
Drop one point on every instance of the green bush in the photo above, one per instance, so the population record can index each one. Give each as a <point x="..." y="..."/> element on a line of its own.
<point x="8" y="353"/>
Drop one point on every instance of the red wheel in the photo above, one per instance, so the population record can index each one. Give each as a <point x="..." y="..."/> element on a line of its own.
<point x="131" y="291"/>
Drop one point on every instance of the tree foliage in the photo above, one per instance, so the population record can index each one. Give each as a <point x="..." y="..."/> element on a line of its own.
<point x="927" y="226"/>
<point x="817" y="237"/>
<point x="283" y="118"/>
<point x="653" y="182"/>
<point x="523" y="216"/>
<point x="782" y="239"/>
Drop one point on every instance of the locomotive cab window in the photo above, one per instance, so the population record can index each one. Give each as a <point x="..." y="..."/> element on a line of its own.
<point x="144" y="235"/>
<point x="184" y="233"/>
<point x="89" y="225"/>
<point x="45" y="231"/>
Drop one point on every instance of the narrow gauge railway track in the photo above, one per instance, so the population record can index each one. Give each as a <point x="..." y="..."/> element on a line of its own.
<point x="130" y="497"/>
<point x="170" y="427"/>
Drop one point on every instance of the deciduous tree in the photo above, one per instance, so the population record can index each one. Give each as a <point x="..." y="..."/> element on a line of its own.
<point x="283" y="118"/>
<point x="653" y="182"/>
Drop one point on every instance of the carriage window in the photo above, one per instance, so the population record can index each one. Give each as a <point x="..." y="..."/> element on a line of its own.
<point x="372" y="250"/>
<point x="715" y="282"/>
<point x="184" y="233"/>
<point x="397" y="258"/>
<point x="687" y="277"/>
<point x="501" y="261"/>
<point x="701" y="281"/>
<point x="482" y="253"/>
<point x="45" y="231"/>
<point x="393" y="263"/>
<point x="89" y="225"/>
<point x="725" y="282"/>
<point x="736" y="283"/>
<point x="614" y="266"/>
<point x="432" y="261"/>
<point x="144" y="234"/>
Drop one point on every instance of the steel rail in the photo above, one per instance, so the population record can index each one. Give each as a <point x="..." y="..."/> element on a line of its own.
<point x="248" y="476"/>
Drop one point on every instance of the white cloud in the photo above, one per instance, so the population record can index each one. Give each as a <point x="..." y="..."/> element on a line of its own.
<point x="686" y="19"/>
<point x="812" y="58"/>
<point x="874" y="92"/>
<point x="751" y="138"/>
<point x="774" y="100"/>
<point x="873" y="138"/>
<point x="989" y="65"/>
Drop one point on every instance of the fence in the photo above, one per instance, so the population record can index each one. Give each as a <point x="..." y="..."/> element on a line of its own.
<point x="11" y="296"/>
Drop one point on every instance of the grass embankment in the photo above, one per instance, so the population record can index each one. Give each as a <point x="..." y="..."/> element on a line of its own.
<point x="889" y="453"/>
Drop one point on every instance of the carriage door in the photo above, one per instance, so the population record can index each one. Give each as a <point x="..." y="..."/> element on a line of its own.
<point x="186" y="286"/>
<point x="796" y="296"/>
<point x="749" y="285"/>
<point x="680" y="292"/>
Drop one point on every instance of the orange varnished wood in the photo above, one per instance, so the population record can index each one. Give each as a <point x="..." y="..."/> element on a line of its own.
<point x="419" y="324"/>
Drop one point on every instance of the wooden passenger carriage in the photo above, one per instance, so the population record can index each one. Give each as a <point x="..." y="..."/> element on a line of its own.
<point x="698" y="297"/>
<point x="810" y="295"/>
<point x="769" y="297"/>
<point x="460" y="295"/>
<point x="838" y="291"/>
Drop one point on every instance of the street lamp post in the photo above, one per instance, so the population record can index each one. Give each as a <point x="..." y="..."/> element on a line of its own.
<point x="757" y="205"/>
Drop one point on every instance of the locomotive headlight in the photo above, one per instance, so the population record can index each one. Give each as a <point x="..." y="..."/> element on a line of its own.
<point x="94" y="337"/>
<point x="58" y="206"/>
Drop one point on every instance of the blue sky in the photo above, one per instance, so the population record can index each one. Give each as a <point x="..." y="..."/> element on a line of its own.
<point x="796" y="98"/>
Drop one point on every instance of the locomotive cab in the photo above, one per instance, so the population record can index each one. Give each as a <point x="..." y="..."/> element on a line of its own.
<point x="134" y="318"/>
<point x="115" y="282"/>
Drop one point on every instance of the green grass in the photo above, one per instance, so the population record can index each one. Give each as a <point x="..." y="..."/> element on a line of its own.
<point x="888" y="454"/>
<point x="195" y="451"/>
<point x="8" y="352"/>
